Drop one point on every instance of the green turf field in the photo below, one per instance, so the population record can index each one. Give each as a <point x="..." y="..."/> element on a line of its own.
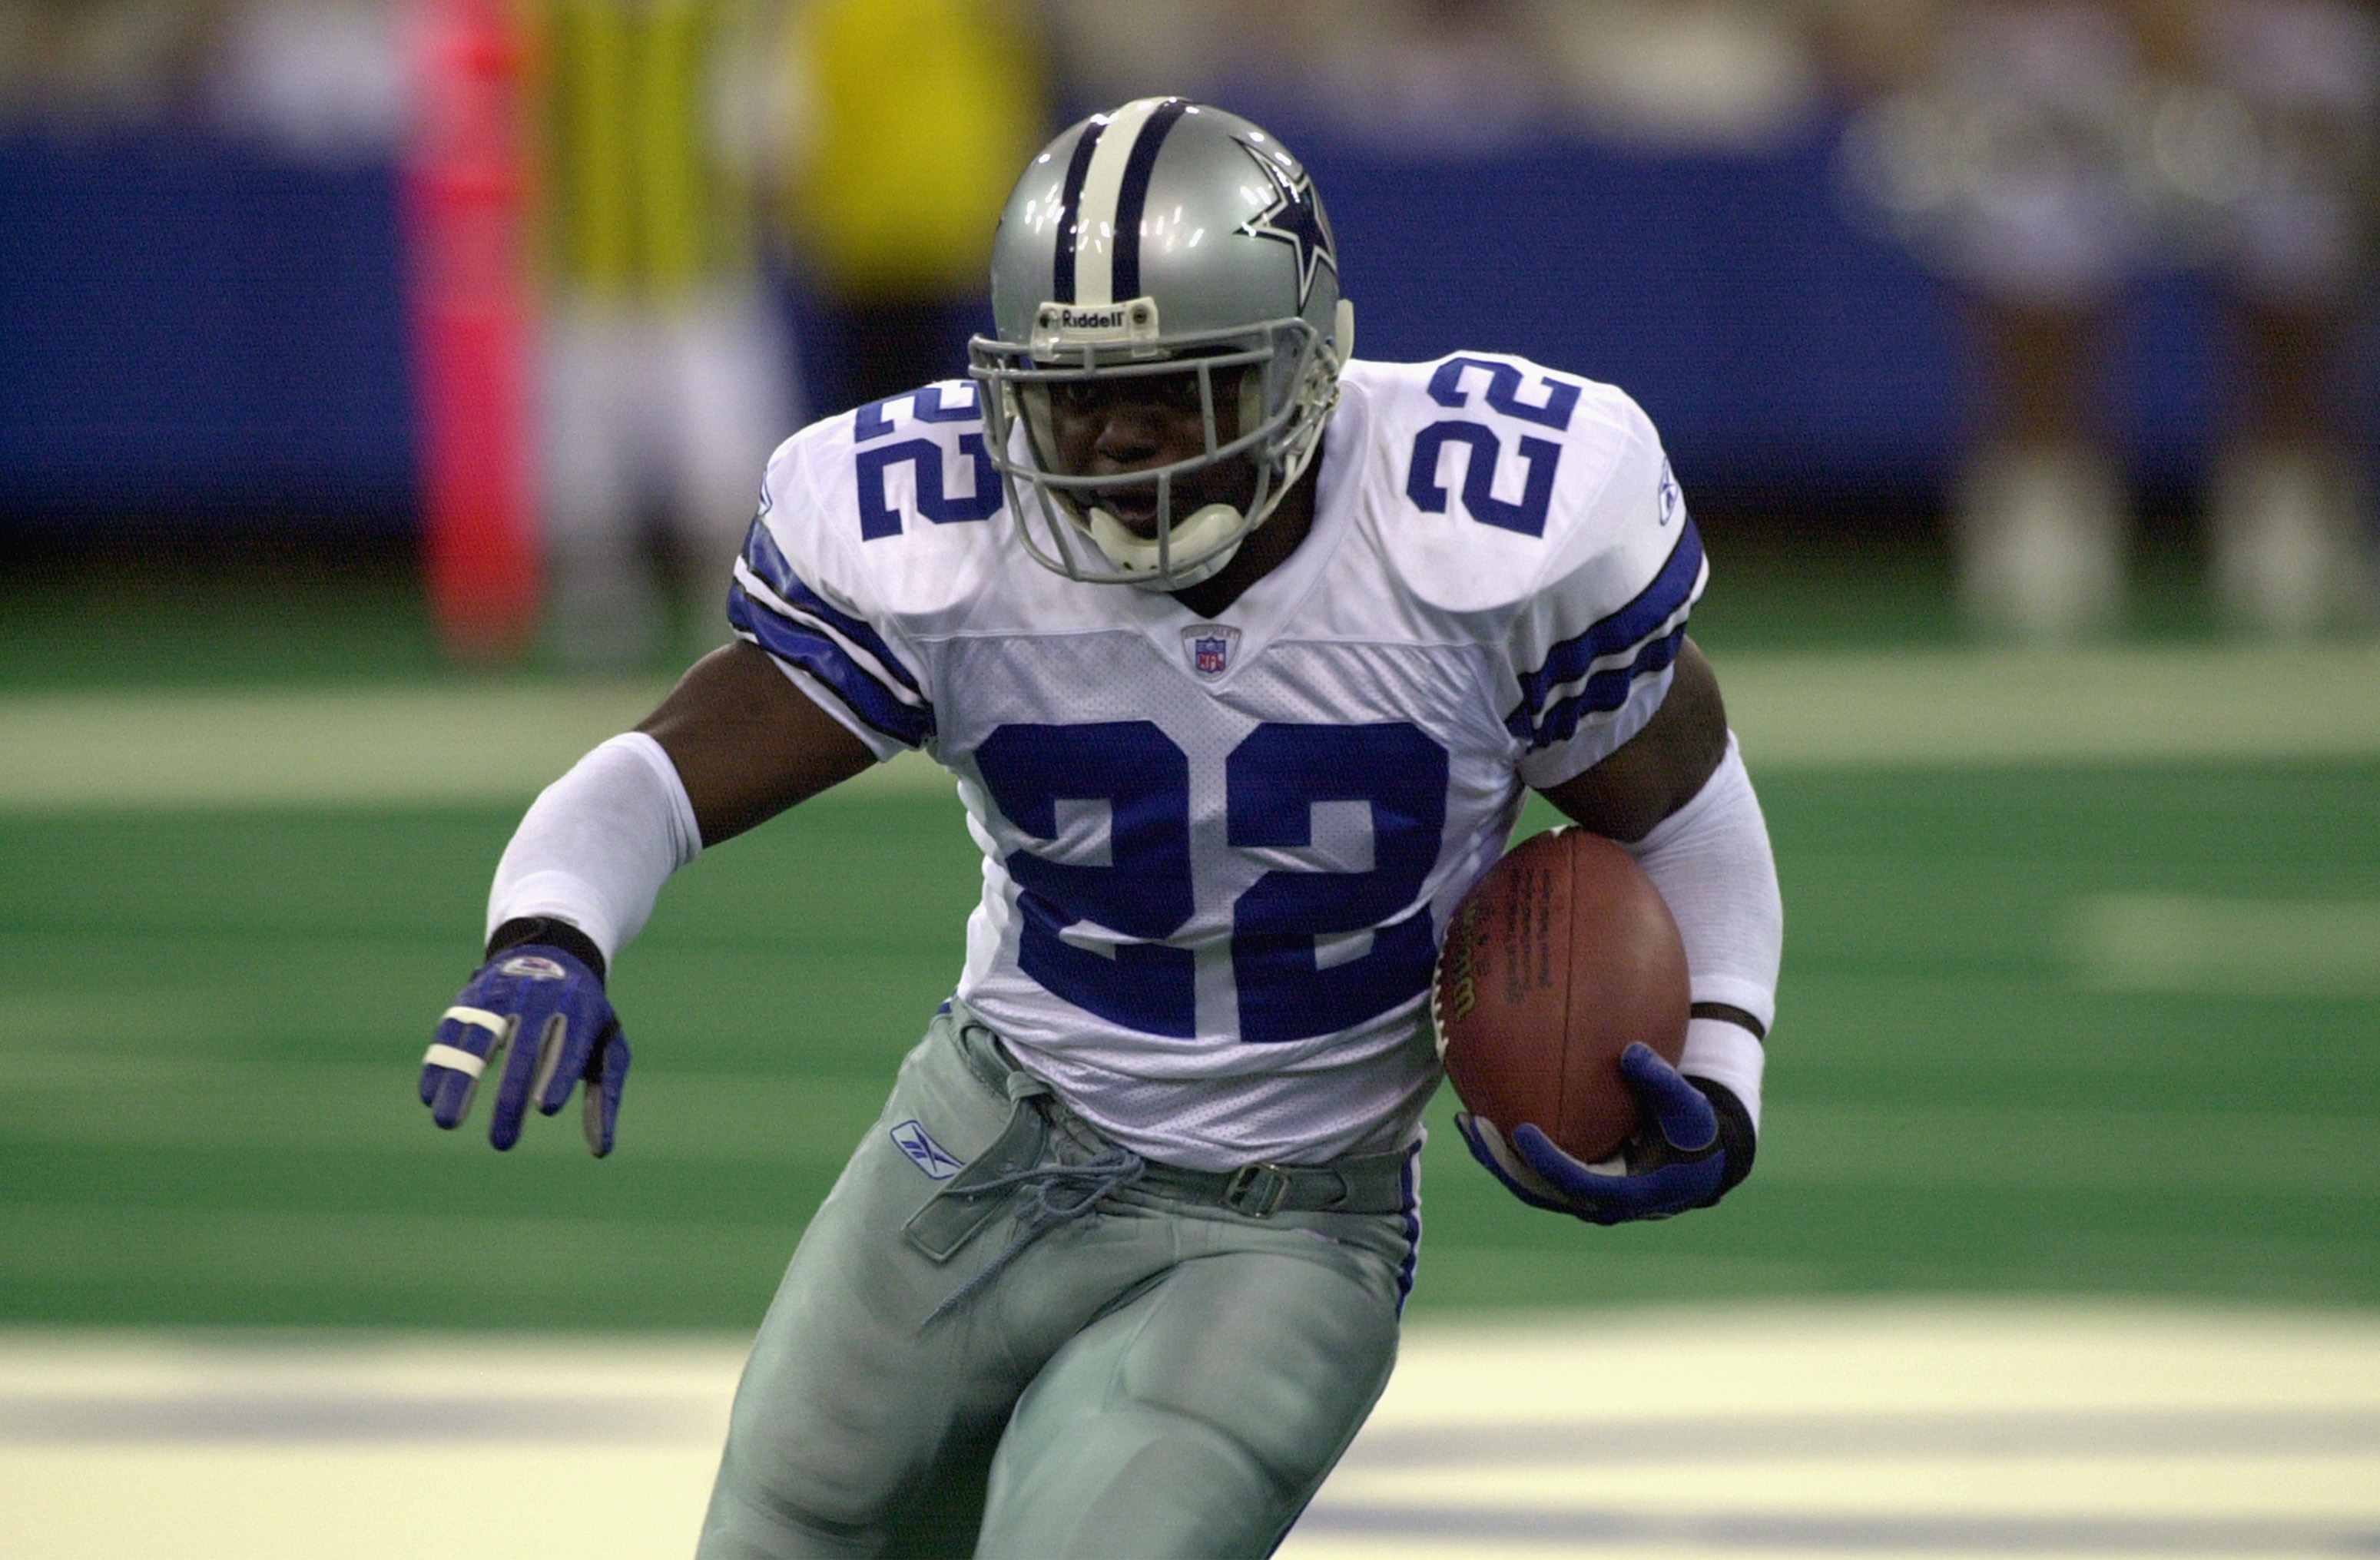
<point x="1990" y="1074"/>
<point x="246" y="617"/>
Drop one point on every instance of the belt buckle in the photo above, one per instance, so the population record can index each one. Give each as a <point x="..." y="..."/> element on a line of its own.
<point x="1258" y="1191"/>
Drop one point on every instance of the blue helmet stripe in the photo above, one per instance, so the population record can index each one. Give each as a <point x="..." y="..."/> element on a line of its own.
<point x="1131" y="196"/>
<point x="1078" y="168"/>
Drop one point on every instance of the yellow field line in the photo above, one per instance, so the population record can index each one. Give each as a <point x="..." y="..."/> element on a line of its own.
<point x="464" y="743"/>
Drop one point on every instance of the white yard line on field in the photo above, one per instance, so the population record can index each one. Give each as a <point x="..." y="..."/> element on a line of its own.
<point x="464" y="743"/>
<point x="1778" y="1432"/>
<point x="2029" y="707"/>
<point x="2230" y="948"/>
<point x="269" y="747"/>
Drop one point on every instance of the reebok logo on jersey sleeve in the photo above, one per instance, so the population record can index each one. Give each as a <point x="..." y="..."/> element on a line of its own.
<point x="929" y="1155"/>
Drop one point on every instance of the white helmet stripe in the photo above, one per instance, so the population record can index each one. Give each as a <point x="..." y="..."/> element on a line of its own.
<point x="1094" y="220"/>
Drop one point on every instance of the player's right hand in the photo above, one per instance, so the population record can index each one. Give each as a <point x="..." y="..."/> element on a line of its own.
<point x="1677" y="1161"/>
<point x="546" y="1007"/>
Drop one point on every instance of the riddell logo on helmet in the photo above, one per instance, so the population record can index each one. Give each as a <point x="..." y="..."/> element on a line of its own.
<point x="1134" y="319"/>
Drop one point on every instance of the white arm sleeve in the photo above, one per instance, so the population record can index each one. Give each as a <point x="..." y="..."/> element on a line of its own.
<point x="1711" y="861"/>
<point x="599" y="843"/>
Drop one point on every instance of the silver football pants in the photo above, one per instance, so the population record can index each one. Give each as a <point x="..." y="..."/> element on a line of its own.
<point x="1156" y="1378"/>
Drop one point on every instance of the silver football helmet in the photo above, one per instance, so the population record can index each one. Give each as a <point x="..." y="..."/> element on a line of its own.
<point x="1161" y="237"/>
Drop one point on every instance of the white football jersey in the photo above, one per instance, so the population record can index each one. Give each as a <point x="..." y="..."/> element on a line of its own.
<point x="1218" y="854"/>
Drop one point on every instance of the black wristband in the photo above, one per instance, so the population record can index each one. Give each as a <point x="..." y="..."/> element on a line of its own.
<point x="1737" y="1141"/>
<point x="1727" y="1012"/>
<point x="552" y="933"/>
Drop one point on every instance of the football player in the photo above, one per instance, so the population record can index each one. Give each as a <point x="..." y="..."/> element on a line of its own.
<point x="1245" y="655"/>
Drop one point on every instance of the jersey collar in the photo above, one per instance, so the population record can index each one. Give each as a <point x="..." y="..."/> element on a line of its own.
<point x="1273" y="604"/>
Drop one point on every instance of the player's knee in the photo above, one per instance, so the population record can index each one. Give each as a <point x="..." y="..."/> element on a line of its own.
<point x="1212" y="1495"/>
<point x="783" y="1490"/>
<point x="1153" y="1482"/>
<point x="749" y="1524"/>
<point x="1287" y="1394"/>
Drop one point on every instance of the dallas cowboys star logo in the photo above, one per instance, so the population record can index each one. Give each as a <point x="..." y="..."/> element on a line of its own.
<point x="1294" y="218"/>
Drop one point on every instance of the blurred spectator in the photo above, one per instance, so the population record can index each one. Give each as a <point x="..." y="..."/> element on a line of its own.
<point x="1445" y="74"/>
<point x="1108" y="52"/>
<point x="1681" y="75"/>
<point x="915" y="115"/>
<point x="1461" y="76"/>
<point x="319" y="80"/>
<point x="2043" y="153"/>
<point x="93" y="64"/>
<point x="666" y="378"/>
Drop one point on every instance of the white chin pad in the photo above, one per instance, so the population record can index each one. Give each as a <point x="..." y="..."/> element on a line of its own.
<point x="1203" y="531"/>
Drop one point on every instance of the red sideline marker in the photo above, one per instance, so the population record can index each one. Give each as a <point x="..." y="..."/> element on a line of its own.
<point x="465" y="202"/>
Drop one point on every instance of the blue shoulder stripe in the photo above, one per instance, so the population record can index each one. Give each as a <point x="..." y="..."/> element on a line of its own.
<point x="796" y="644"/>
<point x="768" y="561"/>
<point x="1607" y="689"/>
<point x="1656" y="604"/>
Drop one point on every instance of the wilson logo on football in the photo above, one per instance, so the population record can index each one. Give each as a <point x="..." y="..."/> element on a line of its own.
<point x="533" y="968"/>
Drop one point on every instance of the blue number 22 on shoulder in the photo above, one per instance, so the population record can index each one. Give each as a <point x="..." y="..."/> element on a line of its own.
<point x="1525" y="515"/>
<point x="1273" y="781"/>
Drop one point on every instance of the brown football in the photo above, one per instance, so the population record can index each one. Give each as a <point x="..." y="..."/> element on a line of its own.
<point x="1558" y="959"/>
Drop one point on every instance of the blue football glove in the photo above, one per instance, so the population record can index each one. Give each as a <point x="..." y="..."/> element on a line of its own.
<point x="1694" y="1146"/>
<point x="546" y="1006"/>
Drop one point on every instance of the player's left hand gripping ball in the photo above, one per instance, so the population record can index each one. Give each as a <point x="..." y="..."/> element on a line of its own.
<point x="1677" y="1160"/>
<point x="544" y="1013"/>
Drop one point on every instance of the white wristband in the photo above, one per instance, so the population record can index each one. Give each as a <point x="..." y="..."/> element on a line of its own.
<point x="1726" y="1052"/>
<point x="599" y="843"/>
<point x="1712" y="862"/>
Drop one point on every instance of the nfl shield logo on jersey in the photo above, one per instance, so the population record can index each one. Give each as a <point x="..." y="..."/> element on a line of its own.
<point x="1210" y="649"/>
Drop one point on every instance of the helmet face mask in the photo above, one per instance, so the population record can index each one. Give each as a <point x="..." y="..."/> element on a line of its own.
<point x="1256" y="425"/>
<point x="1232" y="298"/>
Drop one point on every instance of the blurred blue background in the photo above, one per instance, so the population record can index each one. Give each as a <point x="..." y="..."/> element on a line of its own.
<point x="194" y="329"/>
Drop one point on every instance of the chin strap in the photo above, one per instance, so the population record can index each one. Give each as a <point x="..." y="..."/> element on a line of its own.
<point x="1202" y="528"/>
<point x="1209" y="527"/>
<point x="1137" y="558"/>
